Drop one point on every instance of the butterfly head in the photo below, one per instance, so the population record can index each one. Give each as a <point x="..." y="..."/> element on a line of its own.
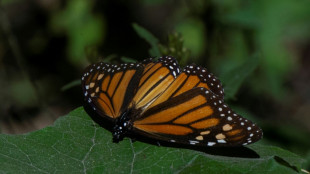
<point x="123" y="125"/>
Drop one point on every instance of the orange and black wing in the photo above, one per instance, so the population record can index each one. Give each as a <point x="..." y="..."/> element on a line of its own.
<point x="110" y="88"/>
<point x="197" y="117"/>
<point x="192" y="76"/>
<point x="155" y="79"/>
<point x="191" y="110"/>
<point x="197" y="76"/>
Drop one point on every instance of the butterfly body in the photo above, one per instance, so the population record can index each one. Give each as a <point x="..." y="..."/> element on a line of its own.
<point x="158" y="100"/>
<point x="123" y="125"/>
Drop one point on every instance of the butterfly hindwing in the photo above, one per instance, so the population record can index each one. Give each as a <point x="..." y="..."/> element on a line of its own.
<point x="199" y="117"/>
<point x="109" y="88"/>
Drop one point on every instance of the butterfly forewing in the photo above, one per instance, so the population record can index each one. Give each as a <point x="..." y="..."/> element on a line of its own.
<point x="200" y="77"/>
<point x="110" y="88"/>
<point x="156" y="77"/>
<point x="192" y="76"/>
<point x="198" y="117"/>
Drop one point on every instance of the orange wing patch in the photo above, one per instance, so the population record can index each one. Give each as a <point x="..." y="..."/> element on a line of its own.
<point x="105" y="83"/>
<point x="192" y="77"/>
<point x="148" y="70"/>
<point x="206" y="123"/>
<point x="119" y="94"/>
<point x="206" y="79"/>
<point x="195" y="115"/>
<point x="166" y="129"/>
<point x="170" y="90"/>
<point x="157" y="76"/>
<point x="105" y="104"/>
<point x="160" y="79"/>
<point x="114" y="83"/>
<point x="172" y="112"/>
<point x="234" y="132"/>
<point x="106" y="86"/>
<point x="189" y="84"/>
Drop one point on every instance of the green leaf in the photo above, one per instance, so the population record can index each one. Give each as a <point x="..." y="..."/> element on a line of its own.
<point x="75" y="144"/>
<point x="233" y="79"/>
<point x="149" y="37"/>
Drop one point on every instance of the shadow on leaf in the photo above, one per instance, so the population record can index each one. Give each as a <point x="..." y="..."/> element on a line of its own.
<point x="285" y="163"/>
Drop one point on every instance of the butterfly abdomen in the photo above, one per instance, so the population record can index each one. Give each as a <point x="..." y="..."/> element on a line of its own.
<point x="123" y="125"/>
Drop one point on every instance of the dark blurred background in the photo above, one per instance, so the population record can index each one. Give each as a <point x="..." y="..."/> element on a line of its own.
<point x="46" y="44"/>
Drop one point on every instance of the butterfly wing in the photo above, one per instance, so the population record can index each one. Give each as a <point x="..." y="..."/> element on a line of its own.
<point x="110" y="88"/>
<point x="155" y="79"/>
<point x="185" y="108"/>
<point x="197" y="117"/>
<point x="191" y="77"/>
<point x="191" y="111"/>
<point x="197" y="76"/>
<point x="155" y="83"/>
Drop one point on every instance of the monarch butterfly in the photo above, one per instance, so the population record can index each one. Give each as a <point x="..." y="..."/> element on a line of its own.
<point x="154" y="98"/>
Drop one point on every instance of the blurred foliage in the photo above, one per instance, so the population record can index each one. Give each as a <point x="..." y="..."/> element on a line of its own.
<point x="71" y="85"/>
<point x="150" y="38"/>
<point x="271" y="27"/>
<point x="128" y="60"/>
<point x="193" y="34"/>
<point x="175" y="47"/>
<point x="234" y="78"/>
<point x="83" y="28"/>
<point x="21" y="97"/>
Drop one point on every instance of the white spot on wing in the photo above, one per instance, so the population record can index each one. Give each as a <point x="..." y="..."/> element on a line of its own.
<point x="221" y="141"/>
<point x="193" y="142"/>
<point x="174" y="74"/>
<point x="211" y="143"/>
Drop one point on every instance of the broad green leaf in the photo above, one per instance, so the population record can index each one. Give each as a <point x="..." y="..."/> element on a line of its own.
<point x="75" y="144"/>
<point x="233" y="79"/>
<point x="149" y="37"/>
